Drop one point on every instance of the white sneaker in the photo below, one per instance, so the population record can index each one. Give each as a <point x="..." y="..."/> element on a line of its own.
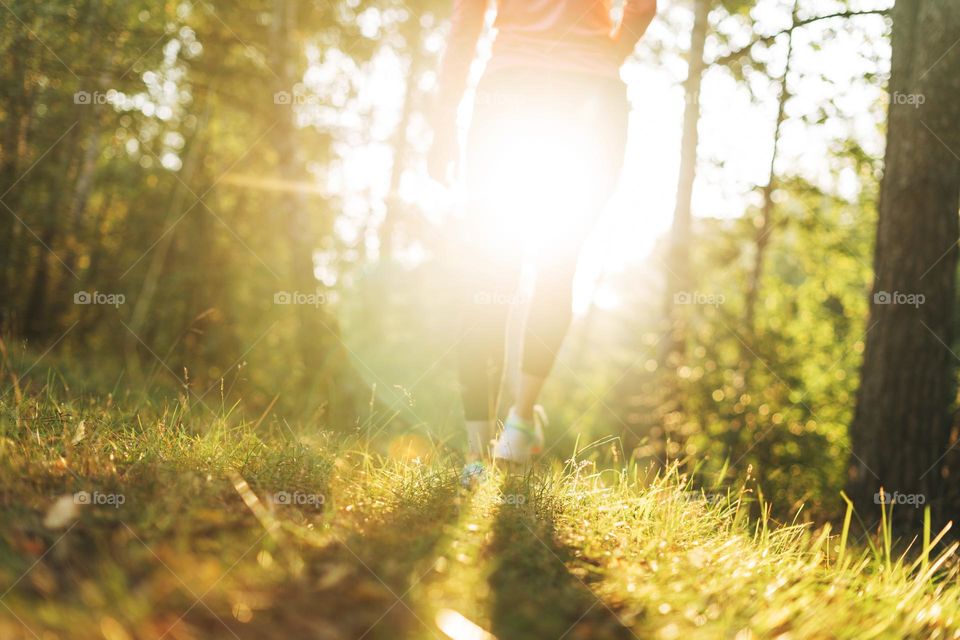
<point x="520" y="440"/>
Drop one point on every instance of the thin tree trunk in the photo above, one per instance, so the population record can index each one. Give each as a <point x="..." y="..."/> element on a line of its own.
<point x="413" y="37"/>
<point x="143" y="301"/>
<point x="73" y="222"/>
<point x="81" y="193"/>
<point x="762" y="236"/>
<point x="765" y="227"/>
<point x="901" y="428"/>
<point x="12" y="152"/>
<point x="94" y="241"/>
<point x="38" y="319"/>
<point x="678" y="269"/>
<point x="678" y="257"/>
<point x="327" y="371"/>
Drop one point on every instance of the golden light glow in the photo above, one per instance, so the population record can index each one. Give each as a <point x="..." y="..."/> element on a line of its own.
<point x="410" y="447"/>
<point x="458" y="627"/>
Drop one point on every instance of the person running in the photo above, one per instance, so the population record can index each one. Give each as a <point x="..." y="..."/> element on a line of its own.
<point x="543" y="155"/>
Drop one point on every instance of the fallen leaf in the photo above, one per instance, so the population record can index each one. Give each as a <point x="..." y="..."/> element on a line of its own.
<point x="62" y="512"/>
<point x="79" y="433"/>
<point x="333" y="575"/>
<point x="113" y="630"/>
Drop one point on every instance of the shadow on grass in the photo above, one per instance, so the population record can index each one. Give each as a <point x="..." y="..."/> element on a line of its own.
<point x="184" y="558"/>
<point x="534" y="593"/>
<point x="358" y="585"/>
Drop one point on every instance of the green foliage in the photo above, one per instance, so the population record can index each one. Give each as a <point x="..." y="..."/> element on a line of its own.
<point x="141" y="158"/>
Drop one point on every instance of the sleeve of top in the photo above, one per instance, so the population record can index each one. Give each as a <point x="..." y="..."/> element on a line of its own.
<point x="466" y="25"/>
<point x="637" y="16"/>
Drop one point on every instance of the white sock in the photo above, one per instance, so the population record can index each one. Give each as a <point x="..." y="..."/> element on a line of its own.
<point x="478" y="436"/>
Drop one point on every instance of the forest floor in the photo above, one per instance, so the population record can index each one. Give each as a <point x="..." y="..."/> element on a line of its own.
<point x="161" y="523"/>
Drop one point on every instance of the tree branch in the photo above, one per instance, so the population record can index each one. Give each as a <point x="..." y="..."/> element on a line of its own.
<point x="730" y="57"/>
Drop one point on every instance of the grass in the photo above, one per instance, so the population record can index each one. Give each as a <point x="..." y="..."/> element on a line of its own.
<point x="252" y="530"/>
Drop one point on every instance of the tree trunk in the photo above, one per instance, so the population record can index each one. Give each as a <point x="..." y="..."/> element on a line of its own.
<point x="13" y="148"/>
<point x="327" y="373"/>
<point x="678" y="257"/>
<point x="73" y="222"/>
<point x="38" y="319"/>
<point x="763" y="232"/>
<point x="678" y="271"/>
<point x="413" y="35"/>
<point x="143" y="301"/>
<point x="900" y="431"/>
<point x="764" y="228"/>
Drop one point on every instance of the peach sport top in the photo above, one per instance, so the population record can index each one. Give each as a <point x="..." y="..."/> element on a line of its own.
<point x="556" y="35"/>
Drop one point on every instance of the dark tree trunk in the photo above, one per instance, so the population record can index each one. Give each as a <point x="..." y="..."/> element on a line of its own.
<point x="901" y="429"/>
<point x="39" y="320"/>
<point x="34" y="321"/>
<point x="12" y="151"/>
